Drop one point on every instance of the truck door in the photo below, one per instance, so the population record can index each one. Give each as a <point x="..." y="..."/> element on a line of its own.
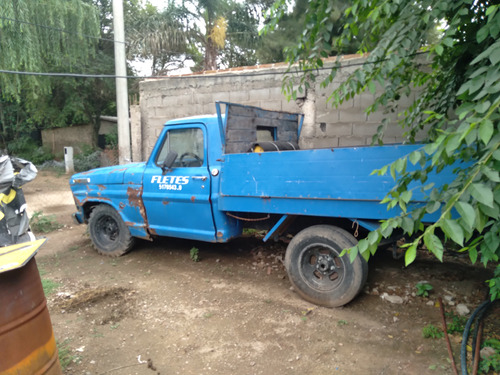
<point x="177" y="200"/>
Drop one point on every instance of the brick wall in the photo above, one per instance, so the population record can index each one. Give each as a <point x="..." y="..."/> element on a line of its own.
<point x="164" y="99"/>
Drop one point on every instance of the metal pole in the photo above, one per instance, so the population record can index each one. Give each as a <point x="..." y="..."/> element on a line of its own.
<point x="121" y="84"/>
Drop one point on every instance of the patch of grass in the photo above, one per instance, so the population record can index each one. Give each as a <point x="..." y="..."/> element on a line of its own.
<point x="49" y="286"/>
<point x="249" y="231"/>
<point x="96" y="333"/>
<point x="66" y="357"/>
<point x="114" y="326"/>
<point x="41" y="223"/>
<point x="74" y="248"/>
<point x="423" y="289"/>
<point x="342" y="323"/>
<point x="431" y="331"/>
<point x="194" y="254"/>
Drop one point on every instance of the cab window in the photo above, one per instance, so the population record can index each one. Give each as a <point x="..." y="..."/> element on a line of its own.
<point x="187" y="143"/>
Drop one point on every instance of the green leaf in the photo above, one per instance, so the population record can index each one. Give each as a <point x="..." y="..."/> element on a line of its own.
<point x="490" y="173"/>
<point x="373" y="237"/>
<point x="410" y="254"/>
<point x="483" y="106"/>
<point x="482" y="34"/>
<point x="433" y="243"/>
<point x="486" y="131"/>
<point x="372" y="87"/>
<point x="466" y="213"/>
<point x="406" y="196"/>
<point x="482" y="193"/>
<point x="473" y="254"/>
<point x="492" y="212"/>
<point x="408" y="225"/>
<point x="432" y="206"/>
<point x="453" y="230"/>
<point x="415" y="156"/>
<point x="495" y="55"/>
<point x="439" y="49"/>
<point x="353" y="253"/>
<point x="448" y="42"/>
<point x="453" y="143"/>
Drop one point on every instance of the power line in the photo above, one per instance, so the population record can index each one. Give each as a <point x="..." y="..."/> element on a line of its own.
<point x="223" y="75"/>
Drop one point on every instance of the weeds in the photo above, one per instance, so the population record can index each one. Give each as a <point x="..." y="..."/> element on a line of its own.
<point x="431" y="331"/>
<point x="457" y="323"/>
<point x="65" y="355"/>
<point x="342" y="323"/>
<point x="193" y="254"/>
<point x="44" y="223"/>
<point x="423" y="289"/>
<point x="491" y="363"/>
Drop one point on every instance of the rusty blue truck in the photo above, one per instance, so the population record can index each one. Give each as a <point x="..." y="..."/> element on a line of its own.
<point x="208" y="177"/>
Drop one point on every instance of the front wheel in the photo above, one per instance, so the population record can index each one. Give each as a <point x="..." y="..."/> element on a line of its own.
<point x="317" y="271"/>
<point x="108" y="232"/>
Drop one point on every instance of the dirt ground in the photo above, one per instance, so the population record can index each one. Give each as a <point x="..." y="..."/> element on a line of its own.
<point x="155" y="311"/>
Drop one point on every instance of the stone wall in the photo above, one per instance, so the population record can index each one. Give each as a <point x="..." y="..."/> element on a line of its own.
<point x="168" y="98"/>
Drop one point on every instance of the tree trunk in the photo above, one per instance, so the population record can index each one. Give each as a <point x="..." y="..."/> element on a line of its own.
<point x="95" y="129"/>
<point x="308" y="105"/>
<point x="210" y="62"/>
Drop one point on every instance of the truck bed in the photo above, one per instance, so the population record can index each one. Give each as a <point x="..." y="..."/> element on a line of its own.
<point x="321" y="182"/>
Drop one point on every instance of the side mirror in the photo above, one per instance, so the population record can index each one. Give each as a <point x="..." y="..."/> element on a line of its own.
<point x="169" y="161"/>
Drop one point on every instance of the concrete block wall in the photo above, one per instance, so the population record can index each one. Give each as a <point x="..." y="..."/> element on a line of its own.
<point x="168" y="98"/>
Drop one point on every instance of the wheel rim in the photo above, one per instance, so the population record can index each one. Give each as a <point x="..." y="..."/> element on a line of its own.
<point x="107" y="230"/>
<point x="321" y="267"/>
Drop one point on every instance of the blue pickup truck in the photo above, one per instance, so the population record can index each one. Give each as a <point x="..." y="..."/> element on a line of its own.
<point x="208" y="177"/>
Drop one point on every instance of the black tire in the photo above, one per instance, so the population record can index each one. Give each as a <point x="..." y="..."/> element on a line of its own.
<point x="109" y="234"/>
<point x="318" y="273"/>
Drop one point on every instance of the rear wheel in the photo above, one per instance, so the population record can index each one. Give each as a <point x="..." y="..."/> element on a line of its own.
<point x="317" y="271"/>
<point x="108" y="232"/>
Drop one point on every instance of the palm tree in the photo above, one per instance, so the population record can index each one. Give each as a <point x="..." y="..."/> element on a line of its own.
<point x="160" y="37"/>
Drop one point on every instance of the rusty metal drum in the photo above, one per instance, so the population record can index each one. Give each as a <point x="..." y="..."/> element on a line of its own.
<point x="27" y="343"/>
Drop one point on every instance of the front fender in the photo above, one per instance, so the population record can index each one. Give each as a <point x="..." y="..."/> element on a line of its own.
<point x="125" y="199"/>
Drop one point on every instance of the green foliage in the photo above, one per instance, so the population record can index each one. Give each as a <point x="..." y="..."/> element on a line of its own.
<point x="111" y="139"/>
<point x="431" y="331"/>
<point x="448" y="51"/>
<point x="26" y="148"/>
<point x="87" y="159"/>
<point x="194" y="254"/>
<point x="26" y="46"/>
<point x="423" y="289"/>
<point x="66" y="357"/>
<point x="41" y="223"/>
<point x="492" y="363"/>
<point x="457" y="323"/>
<point x="49" y="286"/>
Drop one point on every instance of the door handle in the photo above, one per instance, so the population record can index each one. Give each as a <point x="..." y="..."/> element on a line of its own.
<point x="203" y="178"/>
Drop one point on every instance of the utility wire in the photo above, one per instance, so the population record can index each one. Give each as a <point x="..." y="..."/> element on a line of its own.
<point x="194" y="75"/>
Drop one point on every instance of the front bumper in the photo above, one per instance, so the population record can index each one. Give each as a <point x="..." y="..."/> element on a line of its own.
<point x="78" y="218"/>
